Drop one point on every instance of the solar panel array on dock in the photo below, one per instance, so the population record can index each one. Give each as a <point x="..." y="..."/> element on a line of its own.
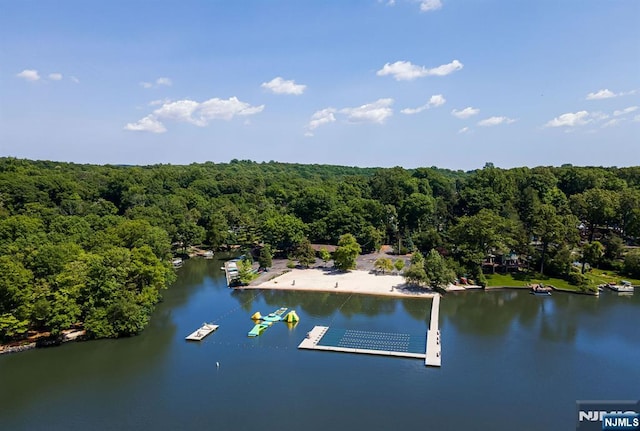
<point x="365" y="340"/>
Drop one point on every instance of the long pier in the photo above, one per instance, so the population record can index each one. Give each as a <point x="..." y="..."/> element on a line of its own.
<point x="432" y="355"/>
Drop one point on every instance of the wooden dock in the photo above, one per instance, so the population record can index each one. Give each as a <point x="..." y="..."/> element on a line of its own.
<point x="432" y="355"/>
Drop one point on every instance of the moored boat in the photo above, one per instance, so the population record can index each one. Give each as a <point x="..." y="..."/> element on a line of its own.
<point x="623" y="287"/>
<point x="541" y="290"/>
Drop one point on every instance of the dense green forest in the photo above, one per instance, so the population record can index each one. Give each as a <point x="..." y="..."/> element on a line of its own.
<point x="91" y="245"/>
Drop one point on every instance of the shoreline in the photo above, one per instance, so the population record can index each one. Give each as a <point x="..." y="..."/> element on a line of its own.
<point x="355" y="281"/>
<point x="43" y="341"/>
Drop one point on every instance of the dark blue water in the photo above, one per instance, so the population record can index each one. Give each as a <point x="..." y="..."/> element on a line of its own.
<point x="511" y="361"/>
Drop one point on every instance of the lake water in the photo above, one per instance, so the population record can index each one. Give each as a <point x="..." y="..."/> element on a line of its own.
<point x="510" y="361"/>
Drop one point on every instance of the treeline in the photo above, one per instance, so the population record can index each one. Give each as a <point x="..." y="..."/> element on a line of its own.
<point x="90" y="245"/>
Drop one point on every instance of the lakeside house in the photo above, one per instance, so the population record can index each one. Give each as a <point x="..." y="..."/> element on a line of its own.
<point x="503" y="262"/>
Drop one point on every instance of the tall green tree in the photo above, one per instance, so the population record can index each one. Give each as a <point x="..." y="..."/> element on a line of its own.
<point x="305" y="254"/>
<point x="325" y="255"/>
<point x="347" y="252"/>
<point x="416" y="275"/>
<point x="398" y="265"/>
<point x="265" y="258"/>
<point x="549" y="228"/>
<point x="437" y="270"/>
<point x="283" y="231"/>
<point x="596" y="207"/>
<point x="383" y="264"/>
<point x="592" y="253"/>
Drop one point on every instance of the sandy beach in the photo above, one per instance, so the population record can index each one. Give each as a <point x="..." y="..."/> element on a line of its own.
<point x="356" y="281"/>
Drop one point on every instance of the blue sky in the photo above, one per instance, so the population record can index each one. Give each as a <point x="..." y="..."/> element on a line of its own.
<point x="447" y="83"/>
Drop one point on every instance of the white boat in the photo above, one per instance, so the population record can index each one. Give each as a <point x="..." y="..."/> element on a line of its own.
<point x="623" y="287"/>
<point x="203" y="331"/>
<point x="177" y="262"/>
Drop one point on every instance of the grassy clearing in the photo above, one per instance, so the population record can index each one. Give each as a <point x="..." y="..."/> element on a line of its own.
<point x="524" y="279"/>
<point x="599" y="276"/>
<point x="595" y="277"/>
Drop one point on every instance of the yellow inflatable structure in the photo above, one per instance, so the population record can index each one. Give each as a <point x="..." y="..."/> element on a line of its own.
<point x="291" y="317"/>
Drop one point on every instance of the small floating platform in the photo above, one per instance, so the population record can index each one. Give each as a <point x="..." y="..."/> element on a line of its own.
<point x="203" y="331"/>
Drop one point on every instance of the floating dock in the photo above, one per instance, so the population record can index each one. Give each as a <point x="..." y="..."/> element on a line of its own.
<point x="203" y="331"/>
<point x="380" y="343"/>
<point x="432" y="357"/>
<point x="372" y="343"/>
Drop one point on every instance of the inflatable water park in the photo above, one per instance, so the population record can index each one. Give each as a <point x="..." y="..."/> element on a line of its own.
<point x="262" y="323"/>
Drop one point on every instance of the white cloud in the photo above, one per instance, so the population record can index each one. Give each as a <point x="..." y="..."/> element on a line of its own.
<point x="446" y="69"/>
<point x="279" y="85"/>
<point x="602" y="94"/>
<point x="598" y="116"/>
<point x="197" y="113"/>
<point x="74" y="79"/>
<point x="636" y="119"/>
<point x="608" y="94"/>
<point x="410" y="111"/>
<point x="29" y="75"/>
<point x="220" y="109"/>
<point x="164" y="81"/>
<point x="435" y="101"/>
<point x="159" y="102"/>
<point x="180" y="110"/>
<point x="319" y="118"/>
<point x="402" y="71"/>
<point x="465" y="113"/>
<point x="495" y="121"/>
<point x="613" y="122"/>
<point x="625" y="111"/>
<point x="55" y="76"/>
<point x="570" y="119"/>
<point x="464" y="130"/>
<point x="429" y="5"/>
<point x="375" y="112"/>
<point x="147" y="124"/>
<point x="406" y="71"/>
